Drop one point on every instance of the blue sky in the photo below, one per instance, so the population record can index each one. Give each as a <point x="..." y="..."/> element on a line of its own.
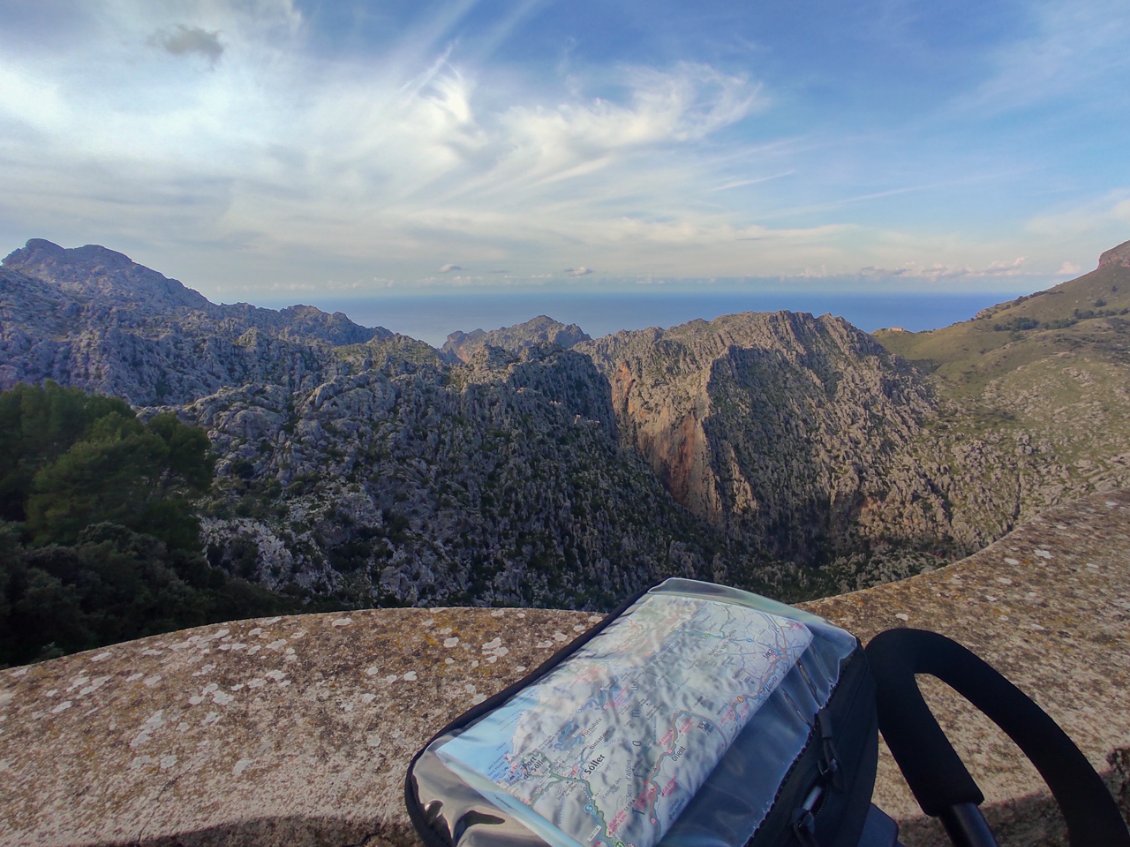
<point x="258" y="149"/>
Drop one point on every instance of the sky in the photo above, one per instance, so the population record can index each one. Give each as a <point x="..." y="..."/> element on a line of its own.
<point x="258" y="149"/>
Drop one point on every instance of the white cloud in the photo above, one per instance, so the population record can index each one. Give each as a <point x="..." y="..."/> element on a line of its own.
<point x="1003" y="268"/>
<point x="938" y="271"/>
<point x="424" y="158"/>
<point x="281" y="149"/>
<point x="31" y="102"/>
<point x="744" y="183"/>
<point x="227" y="126"/>
<point x="686" y="103"/>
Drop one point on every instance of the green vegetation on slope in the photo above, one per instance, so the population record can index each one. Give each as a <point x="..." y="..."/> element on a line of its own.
<point x="1036" y="390"/>
<point x="1085" y="316"/>
<point x="98" y="539"/>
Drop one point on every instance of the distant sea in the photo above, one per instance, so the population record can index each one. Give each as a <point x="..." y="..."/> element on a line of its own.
<point x="431" y="317"/>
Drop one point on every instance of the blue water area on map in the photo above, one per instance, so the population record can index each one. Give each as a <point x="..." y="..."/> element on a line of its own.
<point x="431" y="317"/>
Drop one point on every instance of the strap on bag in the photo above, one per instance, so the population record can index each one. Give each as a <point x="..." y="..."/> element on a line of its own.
<point x="940" y="781"/>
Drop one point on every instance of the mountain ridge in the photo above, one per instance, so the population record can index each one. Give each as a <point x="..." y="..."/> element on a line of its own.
<point x="92" y="318"/>
<point x="538" y="330"/>
<point x="529" y="464"/>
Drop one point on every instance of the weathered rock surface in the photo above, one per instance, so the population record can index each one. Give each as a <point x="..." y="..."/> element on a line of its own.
<point x="1049" y="606"/>
<point x="782" y="429"/>
<point x="499" y="481"/>
<point x="297" y="730"/>
<point x="535" y="332"/>
<point x="92" y="318"/>
<point x="530" y="465"/>
<point x="357" y="463"/>
<point x="1118" y="256"/>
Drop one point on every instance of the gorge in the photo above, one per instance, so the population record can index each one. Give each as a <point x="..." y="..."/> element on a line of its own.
<point x="783" y="452"/>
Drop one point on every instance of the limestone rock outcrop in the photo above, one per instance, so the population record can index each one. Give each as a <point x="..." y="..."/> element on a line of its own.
<point x="1117" y="256"/>
<point x="499" y="481"/>
<point x="532" y="465"/>
<point x="537" y="331"/>
<point x="783" y="428"/>
<point x="91" y="318"/>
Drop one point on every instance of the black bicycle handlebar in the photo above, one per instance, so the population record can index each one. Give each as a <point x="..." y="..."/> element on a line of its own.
<point x="935" y="773"/>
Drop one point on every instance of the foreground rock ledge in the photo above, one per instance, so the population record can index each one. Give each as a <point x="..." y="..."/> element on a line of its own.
<point x="297" y="730"/>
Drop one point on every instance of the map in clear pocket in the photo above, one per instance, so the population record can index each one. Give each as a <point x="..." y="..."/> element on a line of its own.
<point x="608" y="748"/>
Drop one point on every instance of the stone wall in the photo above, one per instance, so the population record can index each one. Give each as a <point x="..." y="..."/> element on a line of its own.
<point x="1049" y="607"/>
<point x="297" y="730"/>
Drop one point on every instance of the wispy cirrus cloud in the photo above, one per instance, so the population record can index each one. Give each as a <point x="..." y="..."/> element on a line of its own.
<point x="268" y="139"/>
<point x="1070" y="49"/>
<point x="1107" y="212"/>
<point x="745" y="183"/>
<point x="368" y="157"/>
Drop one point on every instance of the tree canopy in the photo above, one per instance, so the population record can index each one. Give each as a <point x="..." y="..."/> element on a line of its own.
<point x="99" y="541"/>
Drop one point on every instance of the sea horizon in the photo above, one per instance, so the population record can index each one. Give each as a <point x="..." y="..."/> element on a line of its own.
<point x="431" y="317"/>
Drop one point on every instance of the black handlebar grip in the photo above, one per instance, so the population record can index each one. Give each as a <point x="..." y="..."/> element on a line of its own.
<point x="933" y="769"/>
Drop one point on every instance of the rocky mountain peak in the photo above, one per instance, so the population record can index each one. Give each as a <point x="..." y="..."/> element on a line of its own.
<point x="1116" y="256"/>
<point x="94" y="270"/>
<point x="36" y="249"/>
<point x="527" y="465"/>
<point x="309" y="321"/>
<point x="94" y="318"/>
<point x="536" y="331"/>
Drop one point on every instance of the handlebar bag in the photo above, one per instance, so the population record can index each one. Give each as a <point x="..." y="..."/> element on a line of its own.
<point x="696" y="715"/>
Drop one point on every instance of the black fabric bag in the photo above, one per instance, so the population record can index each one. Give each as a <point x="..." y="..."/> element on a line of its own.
<point x="703" y="716"/>
<point x="694" y="716"/>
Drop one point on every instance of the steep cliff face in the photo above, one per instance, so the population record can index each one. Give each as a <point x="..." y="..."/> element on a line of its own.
<point x="783" y="430"/>
<point x="498" y="481"/>
<point x="1116" y="256"/>
<point x="530" y="465"/>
